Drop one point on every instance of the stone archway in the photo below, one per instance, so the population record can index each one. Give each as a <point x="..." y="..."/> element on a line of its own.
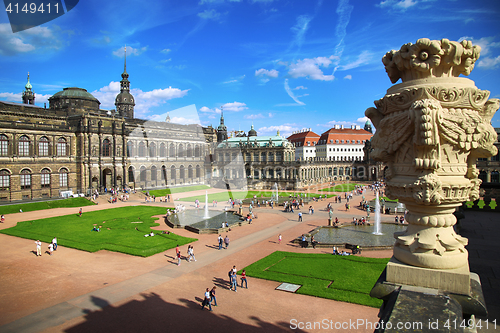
<point x="107" y="178"/>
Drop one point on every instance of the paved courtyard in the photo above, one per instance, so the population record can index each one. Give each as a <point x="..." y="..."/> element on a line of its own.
<point x="76" y="291"/>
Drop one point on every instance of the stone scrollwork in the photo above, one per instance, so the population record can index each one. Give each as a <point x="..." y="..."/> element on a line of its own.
<point x="431" y="128"/>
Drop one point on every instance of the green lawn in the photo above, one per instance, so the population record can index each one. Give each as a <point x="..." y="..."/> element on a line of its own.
<point x="348" y="187"/>
<point x="342" y="278"/>
<point x="123" y="230"/>
<point x="167" y="191"/>
<point x="32" y="206"/>
<point x="224" y="196"/>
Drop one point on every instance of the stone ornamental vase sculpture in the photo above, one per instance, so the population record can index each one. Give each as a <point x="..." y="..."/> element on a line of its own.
<point x="431" y="128"/>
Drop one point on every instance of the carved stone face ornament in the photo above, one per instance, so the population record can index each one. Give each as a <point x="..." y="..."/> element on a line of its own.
<point x="431" y="128"/>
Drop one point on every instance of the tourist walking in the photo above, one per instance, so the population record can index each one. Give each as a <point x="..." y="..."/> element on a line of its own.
<point x="80" y="212"/>
<point x="279" y="239"/>
<point x="206" y="300"/>
<point x="38" y="248"/>
<point x="226" y="241"/>
<point x="244" y="279"/>
<point x="212" y="296"/>
<point x="54" y="241"/>
<point x="220" y="242"/>
<point x="191" y="253"/>
<point x="300" y="216"/>
<point x="2" y="219"/>
<point x="178" y="258"/>
<point x="51" y="248"/>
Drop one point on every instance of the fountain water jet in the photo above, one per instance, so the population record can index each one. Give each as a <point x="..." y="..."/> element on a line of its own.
<point x="206" y="215"/>
<point x="378" y="228"/>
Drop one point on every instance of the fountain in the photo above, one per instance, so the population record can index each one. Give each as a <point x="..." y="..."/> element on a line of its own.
<point x="206" y="215"/>
<point x="377" y="230"/>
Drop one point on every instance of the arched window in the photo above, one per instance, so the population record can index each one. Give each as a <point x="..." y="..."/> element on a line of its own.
<point x="142" y="149"/>
<point x="106" y="148"/>
<point x="197" y="151"/>
<point x="198" y="171"/>
<point x="163" y="172"/>
<point x="153" y="173"/>
<point x="45" y="178"/>
<point x="43" y="146"/>
<point x="189" y="151"/>
<point x="61" y="147"/>
<point x="171" y="150"/>
<point x="25" y="179"/>
<point x="24" y="146"/>
<point x="4" y="179"/>
<point x="180" y="151"/>
<point x="152" y="149"/>
<point x="163" y="150"/>
<point x="263" y="157"/>
<point x="131" y="177"/>
<point x="143" y="174"/>
<point x="182" y="174"/>
<point x="130" y="147"/>
<point x="172" y="172"/>
<point x="63" y="178"/>
<point x="190" y="172"/>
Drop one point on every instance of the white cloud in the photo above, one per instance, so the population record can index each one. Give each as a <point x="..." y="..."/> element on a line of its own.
<point x="144" y="99"/>
<point x="310" y="68"/>
<point x="131" y="51"/>
<point x="165" y="60"/>
<point x="39" y="39"/>
<point x="398" y="5"/>
<point x="291" y="94"/>
<point x="270" y="115"/>
<point x="300" y="29"/>
<point x="363" y="59"/>
<point x="488" y="63"/>
<point x="165" y="51"/>
<point x="486" y="43"/>
<point x="205" y="109"/>
<point x="348" y="77"/>
<point x="235" y="106"/>
<point x="11" y="97"/>
<point x="299" y="87"/>
<point x="18" y="97"/>
<point x="254" y="116"/>
<point x="235" y="80"/>
<point x="264" y="72"/>
<point x="209" y="15"/>
<point x="285" y="130"/>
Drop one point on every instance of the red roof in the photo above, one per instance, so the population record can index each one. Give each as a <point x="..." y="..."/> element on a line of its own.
<point x="301" y="139"/>
<point x="353" y="135"/>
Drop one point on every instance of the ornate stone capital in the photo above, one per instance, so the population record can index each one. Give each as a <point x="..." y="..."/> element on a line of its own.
<point x="430" y="130"/>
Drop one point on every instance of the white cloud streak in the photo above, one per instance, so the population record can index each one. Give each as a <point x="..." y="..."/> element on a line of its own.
<point x="291" y="94"/>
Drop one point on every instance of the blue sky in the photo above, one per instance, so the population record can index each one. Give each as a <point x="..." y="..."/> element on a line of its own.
<point x="279" y="64"/>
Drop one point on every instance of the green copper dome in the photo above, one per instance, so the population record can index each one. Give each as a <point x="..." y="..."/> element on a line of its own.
<point x="74" y="92"/>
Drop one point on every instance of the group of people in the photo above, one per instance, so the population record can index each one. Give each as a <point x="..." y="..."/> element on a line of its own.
<point x="224" y="241"/>
<point x="190" y="254"/>
<point x="360" y="221"/>
<point x="52" y="247"/>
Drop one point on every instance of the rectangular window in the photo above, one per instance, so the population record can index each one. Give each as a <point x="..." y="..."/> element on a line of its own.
<point x="43" y="149"/>
<point x="4" y="182"/>
<point x="45" y="180"/>
<point x="24" y="148"/>
<point x="61" y="149"/>
<point x="3" y="147"/>
<point x="25" y="181"/>
<point x="63" y="180"/>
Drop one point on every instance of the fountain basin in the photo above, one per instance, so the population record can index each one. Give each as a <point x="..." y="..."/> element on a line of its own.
<point x="195" y="220"/>
<point x="361" y="235"/>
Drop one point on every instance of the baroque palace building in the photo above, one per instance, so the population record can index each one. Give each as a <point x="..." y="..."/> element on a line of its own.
<point x="258" y="162"/>
<point x="75" y="146"/>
